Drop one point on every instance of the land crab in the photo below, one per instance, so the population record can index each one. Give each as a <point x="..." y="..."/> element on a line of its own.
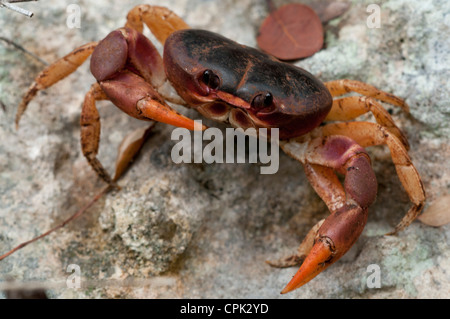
<point x="233" y="83"/>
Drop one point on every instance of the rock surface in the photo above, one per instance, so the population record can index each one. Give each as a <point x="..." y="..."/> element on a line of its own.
<point x="205" y="230"/>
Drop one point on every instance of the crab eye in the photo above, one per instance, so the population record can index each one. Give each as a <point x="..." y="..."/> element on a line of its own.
<point x="262" y="100"/>
<point x="211" y="79"/>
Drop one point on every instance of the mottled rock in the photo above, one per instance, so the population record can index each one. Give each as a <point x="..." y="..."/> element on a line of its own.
<point x="205" y="230"/>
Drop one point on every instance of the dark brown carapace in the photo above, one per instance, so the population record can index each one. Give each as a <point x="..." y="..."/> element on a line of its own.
<point x="268" y="93"/>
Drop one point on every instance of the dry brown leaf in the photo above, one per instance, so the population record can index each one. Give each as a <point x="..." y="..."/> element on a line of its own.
<point x="291" y="32"/>
<point x="438" y="214"/>
<point x="129" y="148"/>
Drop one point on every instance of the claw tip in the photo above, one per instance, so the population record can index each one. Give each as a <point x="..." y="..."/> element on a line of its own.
<point x="318" y="259"/>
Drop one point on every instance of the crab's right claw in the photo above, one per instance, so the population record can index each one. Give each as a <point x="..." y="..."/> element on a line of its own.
<point x="335" y="237"/>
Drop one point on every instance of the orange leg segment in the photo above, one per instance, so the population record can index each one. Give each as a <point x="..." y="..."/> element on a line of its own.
<point x="340" y="87"/>
<point x="161" y="21"/>
<point x="349" y="108"/>
<point x="55" y="72"/>
<point x="90" y="131"/>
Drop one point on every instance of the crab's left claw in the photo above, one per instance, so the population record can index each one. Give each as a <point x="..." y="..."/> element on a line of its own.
<point x="334" y="238"/>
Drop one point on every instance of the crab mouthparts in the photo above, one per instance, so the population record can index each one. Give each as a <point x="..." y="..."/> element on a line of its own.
<point x="232" y="100"/>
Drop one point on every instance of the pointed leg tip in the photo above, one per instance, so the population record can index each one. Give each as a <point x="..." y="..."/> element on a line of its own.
<point x="405" y="107"/>
<point x="16" y="121"/>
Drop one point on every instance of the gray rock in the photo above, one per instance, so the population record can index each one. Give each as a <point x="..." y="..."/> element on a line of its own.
<point x="205" y="230"/>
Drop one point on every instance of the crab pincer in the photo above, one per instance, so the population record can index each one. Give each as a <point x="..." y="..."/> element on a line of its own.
<point x="336" y="236"/>
<point x="342" y="228"/>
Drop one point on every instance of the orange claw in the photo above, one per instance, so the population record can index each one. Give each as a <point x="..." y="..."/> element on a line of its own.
<point x="314" y="264"/>
<point x="335" y="237"/>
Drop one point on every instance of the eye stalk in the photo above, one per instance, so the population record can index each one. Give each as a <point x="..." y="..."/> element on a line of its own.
<point x="263" y="102"/>
<point x="210" y="79"/>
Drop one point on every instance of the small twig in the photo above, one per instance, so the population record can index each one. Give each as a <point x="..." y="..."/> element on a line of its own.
<point x="74" y="216"/>
<point x="15" y="1"/>
<point x="12" y="7"/>
<point x="21" y="48"/>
